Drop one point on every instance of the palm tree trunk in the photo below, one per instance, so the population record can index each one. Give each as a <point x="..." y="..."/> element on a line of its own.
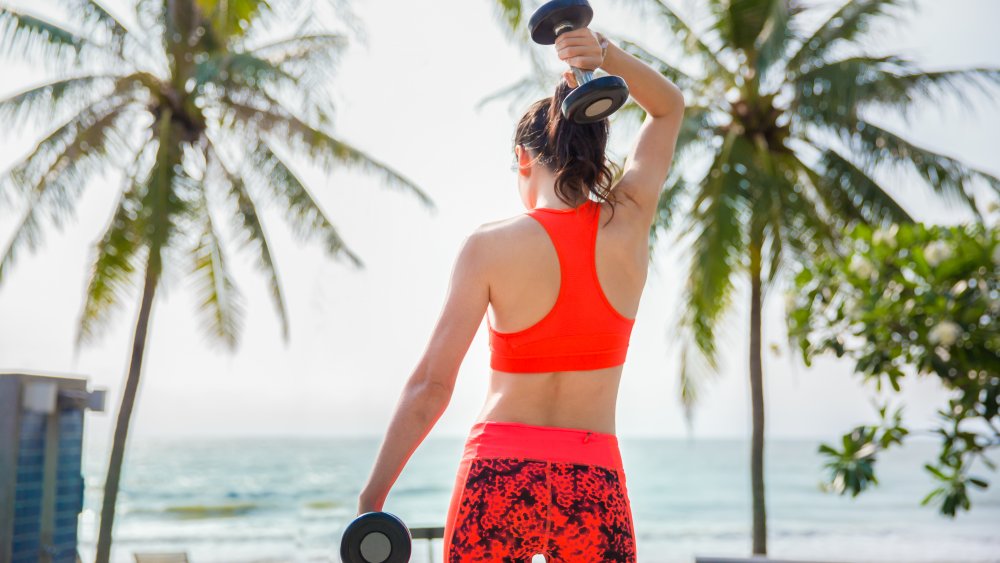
<point x="757" y="403"/>
<point x="124" y="415"/>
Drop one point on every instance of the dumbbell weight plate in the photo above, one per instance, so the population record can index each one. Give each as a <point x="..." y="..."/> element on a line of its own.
<point x="376" y="537"/>
<point x="595" y="100"/>
<point x="544" y="20"/>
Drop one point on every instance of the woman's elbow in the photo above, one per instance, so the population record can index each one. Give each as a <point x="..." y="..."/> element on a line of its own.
<point x="433" y="385"/>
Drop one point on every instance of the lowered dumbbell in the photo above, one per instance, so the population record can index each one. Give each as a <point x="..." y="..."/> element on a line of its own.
<point x="376" y="537"/>
<point x="594" y="98"/>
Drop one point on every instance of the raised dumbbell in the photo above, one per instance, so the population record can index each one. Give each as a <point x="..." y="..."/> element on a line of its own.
<point x="376" y="537"/>
<point x="594" y="98"/>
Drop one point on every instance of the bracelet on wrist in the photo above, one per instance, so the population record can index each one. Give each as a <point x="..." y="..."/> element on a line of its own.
<point x="603" y="42"/>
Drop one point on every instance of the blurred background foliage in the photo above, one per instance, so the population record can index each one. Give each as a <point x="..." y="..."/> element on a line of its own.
<point x="910" y="300"/>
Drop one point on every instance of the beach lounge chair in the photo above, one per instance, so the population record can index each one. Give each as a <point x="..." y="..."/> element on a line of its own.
<point x="161" y="557"/>
<point x="755" y="559"/>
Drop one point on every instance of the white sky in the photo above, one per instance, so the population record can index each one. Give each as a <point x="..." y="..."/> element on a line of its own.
<point x="408" y="99"/>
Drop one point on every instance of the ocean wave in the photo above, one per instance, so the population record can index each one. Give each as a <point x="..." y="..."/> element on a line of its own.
<point x="198" y="511"/>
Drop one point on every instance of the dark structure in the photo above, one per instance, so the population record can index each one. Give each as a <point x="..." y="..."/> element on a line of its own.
<point x="41" y="485"/>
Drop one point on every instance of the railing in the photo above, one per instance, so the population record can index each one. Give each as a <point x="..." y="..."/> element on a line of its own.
<point x="430" y="534"/>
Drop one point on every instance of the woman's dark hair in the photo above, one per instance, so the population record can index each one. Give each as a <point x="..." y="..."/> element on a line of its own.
<point x="573" y="151"/>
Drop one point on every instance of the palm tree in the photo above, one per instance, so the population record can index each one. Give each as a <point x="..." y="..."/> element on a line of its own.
<point x="201" y="103"/>
<point x="777" y="157"/>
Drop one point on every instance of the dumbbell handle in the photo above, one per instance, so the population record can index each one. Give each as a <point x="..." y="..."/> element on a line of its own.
<point x="582" y="75"/>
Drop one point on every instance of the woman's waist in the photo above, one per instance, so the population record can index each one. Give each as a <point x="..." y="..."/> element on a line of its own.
<point x="501" y="438"/>
<point x="580" y="400"/>
<point x="591" y="418"/>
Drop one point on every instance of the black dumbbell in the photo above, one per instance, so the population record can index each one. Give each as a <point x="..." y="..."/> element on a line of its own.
<point x="594" y="98"/>
<point x="376" y="537"/>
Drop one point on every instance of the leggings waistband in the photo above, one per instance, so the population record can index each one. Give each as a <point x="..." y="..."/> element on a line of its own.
<point x="491" y="439"/>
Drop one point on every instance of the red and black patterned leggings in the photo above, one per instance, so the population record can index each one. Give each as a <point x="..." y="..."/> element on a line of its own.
<point x="523" y="490"/>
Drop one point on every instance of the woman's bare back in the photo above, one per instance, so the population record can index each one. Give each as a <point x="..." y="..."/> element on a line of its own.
<point x="524" y="285"/>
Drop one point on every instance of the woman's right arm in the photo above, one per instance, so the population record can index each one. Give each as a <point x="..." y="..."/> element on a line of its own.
<point x="647" y="165"/>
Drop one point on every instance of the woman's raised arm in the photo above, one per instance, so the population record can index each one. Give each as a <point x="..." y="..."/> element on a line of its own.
<point x="648" y="163"/>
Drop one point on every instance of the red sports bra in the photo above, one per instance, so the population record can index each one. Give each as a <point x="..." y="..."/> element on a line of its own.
<point x="582" y="331"/>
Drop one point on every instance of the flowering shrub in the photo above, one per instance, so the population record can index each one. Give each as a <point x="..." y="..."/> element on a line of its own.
<point x="911" y="300"/>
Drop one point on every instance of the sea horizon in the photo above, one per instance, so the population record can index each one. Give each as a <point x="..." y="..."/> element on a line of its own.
<point x="289" y="497"/>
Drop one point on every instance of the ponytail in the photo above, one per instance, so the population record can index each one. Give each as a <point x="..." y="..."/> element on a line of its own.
<point x="575" y="152"/>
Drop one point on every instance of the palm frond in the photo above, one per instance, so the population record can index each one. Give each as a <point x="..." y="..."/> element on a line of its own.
<point x="117" y="256"/>
<point x="303" y="213"/>
<point x="53" y="185"/>
<point x="786" y="212"/>
<point x="694" y="370"/>
<point x="836" y="91"/>
<point x="167" y="192"/>
<point x="519" y="93"/>
<point x="717" y="219"/>
<point x="320" y="146"/>
<point x="693" y="43"/>
<point x="773" y="249"/>
<point x="948" y="177"/>
<point x="26" y="36"/>
<point x="95" y="15"/>
<point x="541" y="80"/>
<point x="697" y="130"/>
<point x="903" y="89"/>
<point x="58" y="167"/>
<point x="511" y="13"/>
<point x="758" y="28"/>
<point x="768" y="179"/>
<point x="845" y="25"/>
<point x="305" y="51"/>
<point x="801" y="223"/>
<point x="240" y="70"/>
<point x="843" y="178"/>
<point x="771" y="43"/>
<point x="220" y="301"/>
<point x="229" y="18"/>
<point x="698" y="127"/>
<point x="44" y="101"/>
<point x="245" y="75"/>
<point x="666" y="205"/>
<point x="246" y="220"/>
<point x="26" y="234"/>
<point x="674" y="74"/>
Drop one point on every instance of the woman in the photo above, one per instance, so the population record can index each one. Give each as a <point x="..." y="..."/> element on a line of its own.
<point x="541" y="472"/>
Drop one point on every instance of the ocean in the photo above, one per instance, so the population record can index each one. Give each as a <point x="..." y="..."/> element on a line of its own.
<point x="289" y="499"/>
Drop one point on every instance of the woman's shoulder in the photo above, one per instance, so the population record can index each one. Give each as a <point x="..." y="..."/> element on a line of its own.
<point x="499" y="234"/>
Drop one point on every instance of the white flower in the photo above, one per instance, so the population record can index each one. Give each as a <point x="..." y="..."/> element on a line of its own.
<point x="908" y="306"/>
<point x="944" y="333"/>
<point x="886" y="236"/>
<point x="959" y="287"/>
<point x="943" y="354"/>
<point x="861" y="267"/>
<point x="852" y="307"/>
<point x="993" y="207"/>
<point x="936" y="252"/>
